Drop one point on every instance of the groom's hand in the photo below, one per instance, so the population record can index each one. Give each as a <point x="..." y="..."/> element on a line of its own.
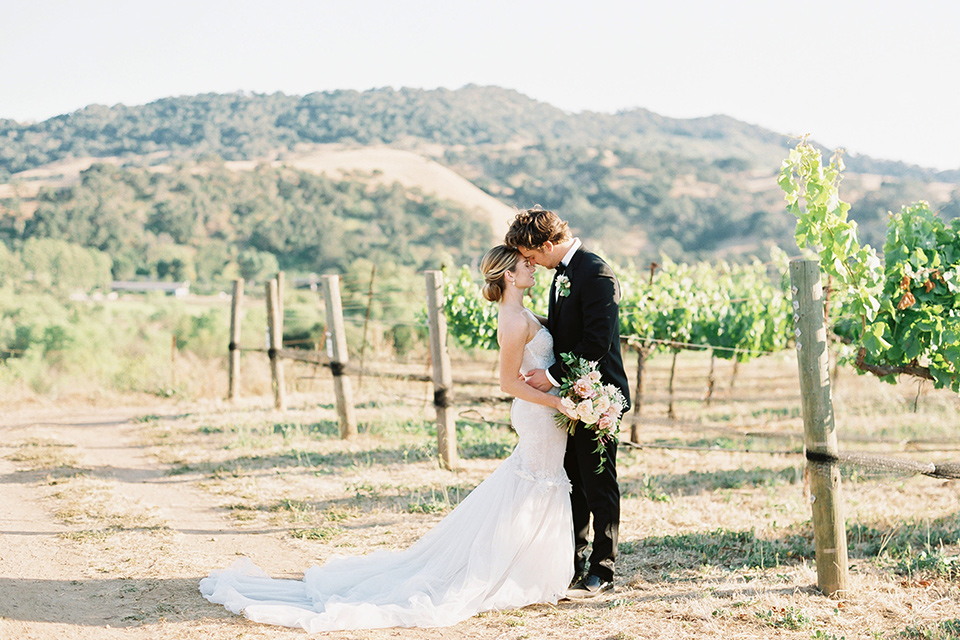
<point x="537" y="379"/>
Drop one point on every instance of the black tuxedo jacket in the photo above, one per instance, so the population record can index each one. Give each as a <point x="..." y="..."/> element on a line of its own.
<point x="586" y="322"/>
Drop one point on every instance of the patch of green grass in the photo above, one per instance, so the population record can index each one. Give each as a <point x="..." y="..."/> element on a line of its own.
<point x="722" y="547"/>
<point x="791" y="618"/>
<point x="321" y="429"/>
<point x="294" y="510"/>
<point x="180" y="469"/>
<point x="930" y="562"/>
<point x="431" y="506"/>
<point x="580" y="619"/>
<point x="153" y="417"/>
<point x="413" y="427"/>
<point x="438" y="500"/>
<point x="823" y="635"/>
<point x="943" y="630"/>
<point x="208" y="430"/>
<point x="480" y="440"/>
<point x="293" y="506"/>
<point x="777" y="412"/>
<point x="729" y="443"/>
<point x="903" y="542"/>
<point x="316" y="533"/>
<point x="658" y="486"/>
<point x="645" y="487"/>
<point x="240" y="506"/>
<point x="338" y="514"/>
<point x="366" y="489"/>
<point x="297" y="457"/>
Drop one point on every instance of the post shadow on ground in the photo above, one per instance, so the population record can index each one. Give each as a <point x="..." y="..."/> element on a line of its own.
<point x="113" y="601"/>
<point x="669" y="485"/>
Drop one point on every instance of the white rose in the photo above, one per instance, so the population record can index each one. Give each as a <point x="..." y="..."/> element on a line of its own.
<point x="601" y="404"/>
<point x="585" y="409"/>
<point x="569" y="404"/>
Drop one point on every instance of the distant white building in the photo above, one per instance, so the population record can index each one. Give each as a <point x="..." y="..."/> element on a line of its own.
<point x="178" y="289"/>
<point x="311" y="282"/>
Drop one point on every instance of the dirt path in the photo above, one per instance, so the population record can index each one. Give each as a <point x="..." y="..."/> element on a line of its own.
<point x="59" y="579"/>
<point x="99" y="540"/>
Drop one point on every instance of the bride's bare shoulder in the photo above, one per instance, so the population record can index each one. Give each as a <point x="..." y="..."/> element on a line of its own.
<point x="510" y="319"/>
<point x="516" y="325"/>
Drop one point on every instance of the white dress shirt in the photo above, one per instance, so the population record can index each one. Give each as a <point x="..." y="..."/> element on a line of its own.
<point x="566" y="263"/>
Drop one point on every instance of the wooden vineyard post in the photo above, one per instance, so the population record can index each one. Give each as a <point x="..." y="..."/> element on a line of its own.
<point x="638" y="394"/>
<point x="711" y="381"/>
<point x="275" y="337"/>
<point x="233" y="391"/>
<point x="173" y="361"/>
<point x="366" y="323"/>
<point x="281" y="287"/>
<point x="337" y="350"/>
<point x="673" y="374"/>
<point x="820" y="436"/>
<point x="442" y="375"/>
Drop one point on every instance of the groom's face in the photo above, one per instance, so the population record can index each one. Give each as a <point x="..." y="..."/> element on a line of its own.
<point x="542" y="256"/>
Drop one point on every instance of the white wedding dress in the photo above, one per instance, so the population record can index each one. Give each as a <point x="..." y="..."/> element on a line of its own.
<point x="507" y="545"/>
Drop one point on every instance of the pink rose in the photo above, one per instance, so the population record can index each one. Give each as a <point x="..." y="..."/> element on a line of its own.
<point x="607" y="422"/>
<point x="584" y="389"/>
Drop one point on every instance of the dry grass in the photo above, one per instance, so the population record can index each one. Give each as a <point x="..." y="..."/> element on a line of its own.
<point x="42" y="453"/>
<point x="715" y="541"/>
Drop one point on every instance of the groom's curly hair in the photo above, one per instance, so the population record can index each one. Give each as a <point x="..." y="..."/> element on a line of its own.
<point x="533" y="228"/>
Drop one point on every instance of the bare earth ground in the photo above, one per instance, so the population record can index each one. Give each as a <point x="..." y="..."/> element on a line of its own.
<point x="112" y="514"/>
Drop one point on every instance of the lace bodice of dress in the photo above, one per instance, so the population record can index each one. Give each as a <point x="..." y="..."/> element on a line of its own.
<point x="538" y="353"/>
<point x="539" y="454"/>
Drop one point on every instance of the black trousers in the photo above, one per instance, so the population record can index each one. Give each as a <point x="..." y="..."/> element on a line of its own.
<point x="597" y="495"/>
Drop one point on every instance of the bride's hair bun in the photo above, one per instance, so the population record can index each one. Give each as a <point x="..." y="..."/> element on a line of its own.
<point x="492" y="291"/>
<point x="495" y="263"/>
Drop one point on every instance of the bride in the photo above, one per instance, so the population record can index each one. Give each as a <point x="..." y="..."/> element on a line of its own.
<point x="507" y="545"/>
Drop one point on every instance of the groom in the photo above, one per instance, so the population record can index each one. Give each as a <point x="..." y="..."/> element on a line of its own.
<point x="584" y="320"/>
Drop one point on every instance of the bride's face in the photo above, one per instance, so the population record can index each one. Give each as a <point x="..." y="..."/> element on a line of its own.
<point x="523" y="274"/>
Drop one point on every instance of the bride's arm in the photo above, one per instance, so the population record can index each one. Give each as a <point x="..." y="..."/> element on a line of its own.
<point x="513" y="337"/>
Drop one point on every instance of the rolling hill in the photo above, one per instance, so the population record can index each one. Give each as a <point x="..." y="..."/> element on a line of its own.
<point x="635" y="182"/>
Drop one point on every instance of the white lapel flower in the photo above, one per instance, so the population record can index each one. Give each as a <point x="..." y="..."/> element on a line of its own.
<point x="563" y="286"/>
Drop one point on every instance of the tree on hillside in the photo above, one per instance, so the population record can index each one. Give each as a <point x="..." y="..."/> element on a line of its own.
<point x="65" y="266"/>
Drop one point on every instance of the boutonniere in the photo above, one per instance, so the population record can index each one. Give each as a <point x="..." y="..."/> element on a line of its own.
<point x="563" y="286"/>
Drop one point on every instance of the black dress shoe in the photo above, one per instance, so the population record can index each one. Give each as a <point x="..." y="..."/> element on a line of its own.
<point x="589" y="587"/>
<point x="577" y="579"/>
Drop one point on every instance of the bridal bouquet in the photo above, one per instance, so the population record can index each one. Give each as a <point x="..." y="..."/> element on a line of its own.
<point x="598" y="406"/>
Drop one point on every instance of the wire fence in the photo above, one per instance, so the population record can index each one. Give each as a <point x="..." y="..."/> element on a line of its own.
<point x="735" y="439"/>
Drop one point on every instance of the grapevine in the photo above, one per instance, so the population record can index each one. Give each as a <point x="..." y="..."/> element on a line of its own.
<point x="905" y="310"/>
<point x="737" y="310"/>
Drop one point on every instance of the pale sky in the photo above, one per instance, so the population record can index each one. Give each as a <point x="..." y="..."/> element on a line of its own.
<point x="878" y="77"/>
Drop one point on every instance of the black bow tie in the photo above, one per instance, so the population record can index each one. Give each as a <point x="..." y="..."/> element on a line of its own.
<point x="560" y="268"/>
